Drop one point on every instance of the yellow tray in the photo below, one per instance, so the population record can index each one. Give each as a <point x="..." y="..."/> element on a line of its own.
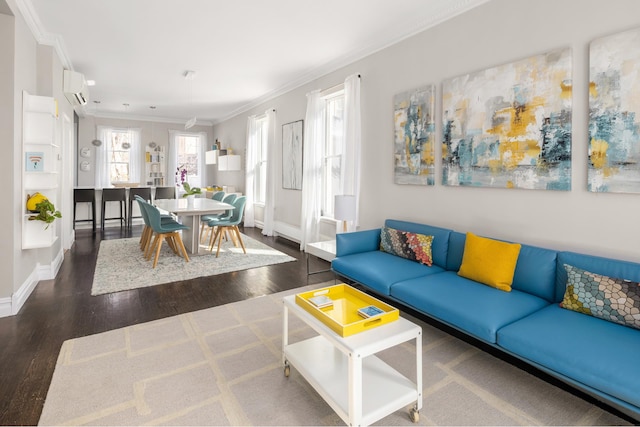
<point x="343" y="317"/>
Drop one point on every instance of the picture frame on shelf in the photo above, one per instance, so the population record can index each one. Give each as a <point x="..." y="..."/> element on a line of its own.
<point x="34" y="161"/>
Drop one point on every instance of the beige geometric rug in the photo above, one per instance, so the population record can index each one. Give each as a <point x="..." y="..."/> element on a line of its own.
<point x="121" y="265"/>
<point x="222" y="366"/>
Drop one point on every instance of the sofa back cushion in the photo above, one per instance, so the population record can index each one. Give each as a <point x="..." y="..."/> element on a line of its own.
<point x="440" y="244"/>
<point x="598" y="265"/>
<point x="535" y="271"/>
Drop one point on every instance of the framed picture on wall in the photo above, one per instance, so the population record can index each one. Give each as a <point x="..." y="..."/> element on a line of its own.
<point x="292" y="155"/>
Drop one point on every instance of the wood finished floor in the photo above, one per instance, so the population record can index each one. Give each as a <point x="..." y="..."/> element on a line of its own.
<point x="63" y="308"/>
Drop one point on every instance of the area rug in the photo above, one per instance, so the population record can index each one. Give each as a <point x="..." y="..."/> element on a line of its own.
<point x="222" y="366"/>
<point x="121" y="264"/>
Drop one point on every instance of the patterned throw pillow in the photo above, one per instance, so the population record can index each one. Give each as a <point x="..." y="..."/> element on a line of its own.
<point x="615" y="300"/>
<point x="413" y="246"/>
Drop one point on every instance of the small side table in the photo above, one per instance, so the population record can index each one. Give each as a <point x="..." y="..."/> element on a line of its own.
<point x="323" y="250"/>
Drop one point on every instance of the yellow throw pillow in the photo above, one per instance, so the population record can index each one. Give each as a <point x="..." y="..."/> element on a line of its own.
<point x="489" y="261"/>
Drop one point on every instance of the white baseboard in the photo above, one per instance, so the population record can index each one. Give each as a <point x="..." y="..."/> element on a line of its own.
<point x="288" y="231"/>
<point x="11" y="306"/>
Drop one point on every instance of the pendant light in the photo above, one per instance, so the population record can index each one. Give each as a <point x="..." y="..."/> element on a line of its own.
<point x="126" y="145"/>
<point x="152" y="143"/>
<point x="190" y="75"/>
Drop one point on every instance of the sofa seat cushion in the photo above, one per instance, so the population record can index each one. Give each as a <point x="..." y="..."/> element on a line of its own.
<point x="379" y="270"/>
<point x="592" y="351"/>
<point x="470" y="306"/>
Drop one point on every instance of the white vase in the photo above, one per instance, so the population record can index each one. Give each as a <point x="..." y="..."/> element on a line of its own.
<point x="190" y="200"/>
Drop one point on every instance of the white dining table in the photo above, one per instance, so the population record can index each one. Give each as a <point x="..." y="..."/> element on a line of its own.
<point x="189" y="215"/>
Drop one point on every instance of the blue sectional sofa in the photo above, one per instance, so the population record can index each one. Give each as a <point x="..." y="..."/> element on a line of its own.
<point x="594" y="355"/>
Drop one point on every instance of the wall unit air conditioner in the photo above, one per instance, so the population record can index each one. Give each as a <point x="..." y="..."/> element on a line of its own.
<point x="75" y="87"/>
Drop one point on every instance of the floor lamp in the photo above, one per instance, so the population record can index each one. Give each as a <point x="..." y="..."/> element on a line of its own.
<point x="345" y="209"/>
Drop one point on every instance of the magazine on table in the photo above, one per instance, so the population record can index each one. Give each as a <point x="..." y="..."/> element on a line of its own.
<point x="321" y="301"/>
<point x="370" y="311"/>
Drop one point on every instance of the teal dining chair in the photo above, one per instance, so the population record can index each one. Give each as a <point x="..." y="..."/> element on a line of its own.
<point x="147" y="231"/>
<point x="204" y="219"/>
<point x="169" y="230"/>
<point x="230" y="224"/>
<point x="218" y="195"/>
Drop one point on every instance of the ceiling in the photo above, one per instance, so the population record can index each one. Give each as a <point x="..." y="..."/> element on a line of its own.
<point x="243" y="52"/>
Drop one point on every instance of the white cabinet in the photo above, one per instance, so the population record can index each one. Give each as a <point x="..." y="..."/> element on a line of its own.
<point x="155" y="167"/>
<point x="40" y="165"/>
<point x="229" y="162"/>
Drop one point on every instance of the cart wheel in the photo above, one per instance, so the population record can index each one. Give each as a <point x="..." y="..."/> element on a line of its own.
<point x="287" y="370"/>
<point x="414" y="414"/>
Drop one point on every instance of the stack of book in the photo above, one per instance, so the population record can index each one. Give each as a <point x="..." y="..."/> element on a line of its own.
<point x="370" y="311"/>
<point x="321" y="301"/>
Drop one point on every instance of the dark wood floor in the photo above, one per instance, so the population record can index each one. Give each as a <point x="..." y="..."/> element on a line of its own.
<point x="63" y="308"/>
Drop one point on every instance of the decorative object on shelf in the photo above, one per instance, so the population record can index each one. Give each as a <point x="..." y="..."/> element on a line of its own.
<point x="152" y="144"/>
<point x="34" y="161"/>
<point x="85" y="152"/>
<point x="85" y="166"/>
<point x="414" y="140"/>
<point x="292" y="155"/>
<point x="345" y="209"/>
<point x="46" y="211"/>
<point x="510" y="126"/>
<point x="96" y="142"/>
<point x="614" y="108"/>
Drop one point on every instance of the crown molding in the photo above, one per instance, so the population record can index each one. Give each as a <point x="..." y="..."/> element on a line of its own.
<point x="142" y="118"/>
<point x="454" y="8"/>
<point x="43" y="37"/>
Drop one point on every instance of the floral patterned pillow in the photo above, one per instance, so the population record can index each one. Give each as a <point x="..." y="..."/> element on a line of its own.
<point x="413" y="246"/>
<point x="615" y="300"/>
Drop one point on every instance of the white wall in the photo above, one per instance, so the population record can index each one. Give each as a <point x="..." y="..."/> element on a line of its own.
<point x="494" y="33"/>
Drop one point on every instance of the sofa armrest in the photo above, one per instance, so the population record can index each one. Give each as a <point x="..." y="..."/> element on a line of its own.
<point x="357" y="242"/>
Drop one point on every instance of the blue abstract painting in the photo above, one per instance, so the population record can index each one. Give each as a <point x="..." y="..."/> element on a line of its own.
<point x="614" y="107"/>
<point x="509" y="126"/>
<point x="414" y="141"/>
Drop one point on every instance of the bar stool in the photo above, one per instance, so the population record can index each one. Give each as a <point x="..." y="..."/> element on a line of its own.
<point x="165" y="193"/>
<point x="115" y="195"/>
<point x="84" y="195"/>
<point x="143" y="192"/>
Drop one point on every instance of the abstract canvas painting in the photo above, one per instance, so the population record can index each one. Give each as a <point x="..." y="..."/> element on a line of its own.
<point x="614" y="108"/>
<point x="292" y="155"/>
<point x="510" y="126"/>
<point x="414" y="141"/>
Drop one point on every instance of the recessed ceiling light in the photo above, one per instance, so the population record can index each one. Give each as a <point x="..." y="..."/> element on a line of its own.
<point x="91" y="82"/>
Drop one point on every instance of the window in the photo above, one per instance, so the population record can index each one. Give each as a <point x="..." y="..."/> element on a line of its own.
<point x="332" y="158"/>
<point x="260" y="183"/>
<point x="120" y="147"/>
<point x="189" y="158"/>
<point x="118" y="157"/>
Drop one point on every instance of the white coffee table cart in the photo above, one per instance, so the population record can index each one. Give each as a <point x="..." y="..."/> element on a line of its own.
<point x="358" y="386"/>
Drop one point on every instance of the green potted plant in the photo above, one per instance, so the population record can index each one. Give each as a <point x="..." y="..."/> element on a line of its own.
<point x="189" y="190"/>
<point x="46" y="212"/>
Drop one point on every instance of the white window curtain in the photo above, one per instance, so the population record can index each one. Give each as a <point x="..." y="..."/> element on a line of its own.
<point x="314" y="134"/>
<point x="250" y="177"/>
<point x="103" y="159"/>
<point x="269" y="204"/>
<point x="172" y="157"/>
<point x="102" y="180"/>
<point x="352" y="142"/>
<point x="135" y="156"/>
